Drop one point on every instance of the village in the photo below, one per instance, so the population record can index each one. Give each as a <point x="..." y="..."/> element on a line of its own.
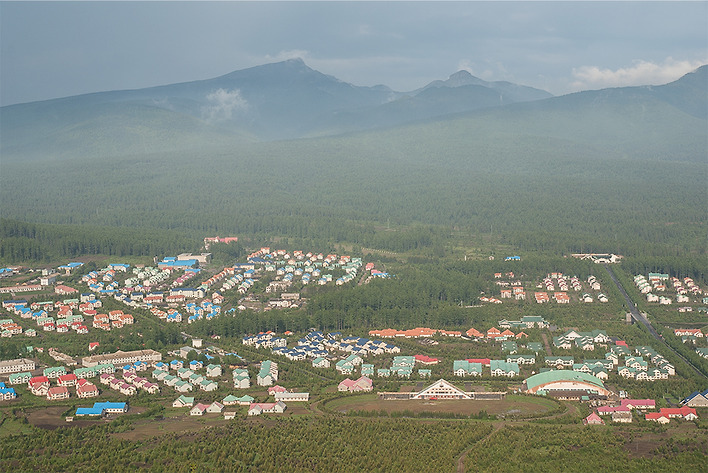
<point x="530" y="359"/>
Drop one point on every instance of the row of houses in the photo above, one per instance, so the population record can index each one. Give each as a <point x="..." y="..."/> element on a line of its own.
<point x="39" y="312"/>
<point x="660" y="282"/>
<point x="41" y="386"/>
<point x="179" y="385"/>
<point x="472" y="367"/>
<point x="689" y="335"/>
<point x="318" y="348"/>
<point x="583" y="340"/>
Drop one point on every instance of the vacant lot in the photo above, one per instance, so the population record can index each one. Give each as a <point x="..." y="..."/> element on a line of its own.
<point x="52" y="417"/>
<point x="678" y="437"/>
<point x="518" y="406"/>
<point x="179" y="420"/>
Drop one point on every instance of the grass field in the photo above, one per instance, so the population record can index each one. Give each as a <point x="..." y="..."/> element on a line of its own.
<point x="513" y="406"/>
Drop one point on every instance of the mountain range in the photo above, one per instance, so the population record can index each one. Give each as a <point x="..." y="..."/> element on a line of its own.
<point x="289" y="100"/>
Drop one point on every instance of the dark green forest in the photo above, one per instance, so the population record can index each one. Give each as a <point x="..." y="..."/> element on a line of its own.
<point x="368" y="191"/>
<point x="331" y="444"/>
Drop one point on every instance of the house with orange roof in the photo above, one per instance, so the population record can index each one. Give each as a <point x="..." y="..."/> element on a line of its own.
<point x="450" y="333"/>
<point x="506" y="334"/>
<point x="493" y="333"/>
<point x="474" y="333"/>
<point x="541" y="297"/>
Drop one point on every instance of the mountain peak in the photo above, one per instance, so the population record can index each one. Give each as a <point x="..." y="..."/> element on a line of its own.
<point x="461" y="78"/>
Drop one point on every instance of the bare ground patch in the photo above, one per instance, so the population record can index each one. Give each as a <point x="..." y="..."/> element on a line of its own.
<point x="678" y="438"/>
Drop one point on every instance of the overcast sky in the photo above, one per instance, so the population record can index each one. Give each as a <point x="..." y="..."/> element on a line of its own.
<point x="58" y="49"/>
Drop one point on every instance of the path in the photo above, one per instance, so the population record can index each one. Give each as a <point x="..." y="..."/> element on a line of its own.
<point x="548" y="345"/>
<point x="463" y="456"/>
<point x="570" y="408"/>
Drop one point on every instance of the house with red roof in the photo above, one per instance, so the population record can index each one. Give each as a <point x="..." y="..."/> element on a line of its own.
<point x="686" y="413"/>
<point x="609" y="410"/>
<point x="57" y="392"/>
<point x="199" y="409"/>
<point x="593" y="419"/>
<point x="68" y="379"/>
<point x="483" y="361"/>
<point x="640" y="404"/>
<point x="85" y="388"/>
<point x="39" y="385"/>
<point x="426" y="360"/>
<point x="61" y="289"/>
<point x="276" y="389"/>
<point x="361" y="384"/>
<point x="256" y="409"/>
<point x="657" y="417"/>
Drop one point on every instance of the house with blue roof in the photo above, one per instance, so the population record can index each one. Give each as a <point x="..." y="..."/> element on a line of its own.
<point x="696" y="399"/>
<point x="7" y="394"/>
<point x="102" y="408"/>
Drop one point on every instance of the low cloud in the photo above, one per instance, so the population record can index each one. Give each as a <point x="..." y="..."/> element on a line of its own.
<point x="289" y="54"/>
<point x="223" y="105"/>
<point x="639" y="73"/>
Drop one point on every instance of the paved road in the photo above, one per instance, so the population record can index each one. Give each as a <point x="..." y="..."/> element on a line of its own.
<point x="639" y="317"/>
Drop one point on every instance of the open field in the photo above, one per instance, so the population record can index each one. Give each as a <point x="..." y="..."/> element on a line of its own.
<point x="179" y="421"/>
<point x="516" y="406"/>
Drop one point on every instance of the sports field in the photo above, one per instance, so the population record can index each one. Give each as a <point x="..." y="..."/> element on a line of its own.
<point x="512" y="406"/>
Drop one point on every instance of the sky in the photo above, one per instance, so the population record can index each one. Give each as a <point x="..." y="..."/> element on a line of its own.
<point x="59" y="49"/>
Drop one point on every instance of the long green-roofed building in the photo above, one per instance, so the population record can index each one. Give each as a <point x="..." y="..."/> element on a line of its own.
<point x="565" y="380"/>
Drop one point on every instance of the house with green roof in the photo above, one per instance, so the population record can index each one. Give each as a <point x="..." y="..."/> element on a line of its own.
<point x="54" y="371"/>
<point x="585" y="343"/>
<point x="367" y="369"/>
<point x="320" y="362"/>
<point x="464" y="368"/>
<point x="531" y="321"/>
<point x="559" y="361"/>
<point x="183" y="401"/>
<point x="521" y="359"/>
<point x="502" y="368"/>
<point x="230" y="400"/>
<point x="402" y="371"/>
<point x="20" y="378"/>
<point x="620" y="350"/>
<point x="344" y="367"/>
<point x="562" y="342"/>
<point x="535" y="347"/>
